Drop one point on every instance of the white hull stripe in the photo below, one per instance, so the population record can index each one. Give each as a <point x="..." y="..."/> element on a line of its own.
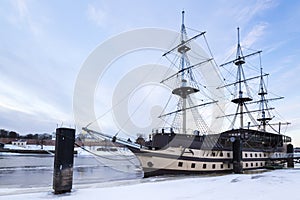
<point x="196" y="159"/>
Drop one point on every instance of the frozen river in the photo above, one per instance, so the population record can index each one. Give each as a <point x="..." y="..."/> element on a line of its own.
<point x="30" y="177"/>
<point x="20" y="171"/>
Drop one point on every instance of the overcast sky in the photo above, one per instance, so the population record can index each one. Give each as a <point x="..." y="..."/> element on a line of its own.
<point x="45" y="43"/>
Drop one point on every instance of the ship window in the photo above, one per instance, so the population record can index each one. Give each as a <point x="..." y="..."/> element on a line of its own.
<point x="251" y="155"/>
<point x="264" y="155"/>
<point x="204" y="166"/>
<point x="221" y="166"/>
<point x="260" y="155"/>
<point x="246" y="155"/>
<point x="180" y="164"/>
<point x="256" y="155"/>
<point x="228" y="155"/>
<point x="221" y="154"/>
<point x="251" y="164"/>
<point x="228" y="165"/>
<point x="213" y="166"/>
<point x="261" y="164"/>
<point x="256" y="164"/>
<point x="193" y="165"/>
<point x="213" y="154"/>
<point x="246" y="164"/>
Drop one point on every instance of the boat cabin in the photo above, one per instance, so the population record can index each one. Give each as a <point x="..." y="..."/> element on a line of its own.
<point x="20" y="143"/>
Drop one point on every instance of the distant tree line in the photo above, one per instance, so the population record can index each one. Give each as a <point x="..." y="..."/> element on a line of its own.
<point x="12" y="134"/>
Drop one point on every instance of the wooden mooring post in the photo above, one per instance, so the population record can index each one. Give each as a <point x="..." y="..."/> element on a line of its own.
<point x="237" y="154"/>
<point x="290" y="152"/>
<point x="63" y="160"/>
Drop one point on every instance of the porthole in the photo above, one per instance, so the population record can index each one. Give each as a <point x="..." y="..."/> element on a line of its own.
<point x="150" y="164"/>
<point x="180" y="164"/>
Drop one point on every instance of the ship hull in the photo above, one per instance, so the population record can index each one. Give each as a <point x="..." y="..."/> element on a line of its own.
<point x="170" y="153"/>
<point x="194" y="161"/>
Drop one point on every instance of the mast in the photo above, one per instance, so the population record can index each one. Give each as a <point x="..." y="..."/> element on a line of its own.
<point x="187" y="85"/>
<point x="263" y="104"/>
<point x="184" y="90"/>
<point x="241" y="99"/>
<point x="183" y="81"/>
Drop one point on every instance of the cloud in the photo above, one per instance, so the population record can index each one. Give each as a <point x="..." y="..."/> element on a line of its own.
<point x="256" y="33"/>
<point x="247" y="41"/>
<point x="22" y="16"/>
<point x="21" y="6"/>
<point x="25" y="105"/>
<point x="16" y="98"/>
<point x="246" y="13"/>
<point x="96" y="15"/>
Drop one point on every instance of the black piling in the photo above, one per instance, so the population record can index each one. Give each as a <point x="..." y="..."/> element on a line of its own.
<point x="290" y="152"/>
<point x="63" y="160"/>
<point x="237" y="155"/>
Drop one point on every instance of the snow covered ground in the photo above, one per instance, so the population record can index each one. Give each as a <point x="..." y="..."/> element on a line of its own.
<point x="279" y="184"/>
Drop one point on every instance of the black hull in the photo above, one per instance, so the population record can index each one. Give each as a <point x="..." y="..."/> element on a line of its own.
<point x="163" y="172"/>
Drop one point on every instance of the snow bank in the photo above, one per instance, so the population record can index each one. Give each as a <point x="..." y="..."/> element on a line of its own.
<point x="274" y="185"/>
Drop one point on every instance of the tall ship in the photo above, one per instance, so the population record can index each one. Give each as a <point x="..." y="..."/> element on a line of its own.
<point x="187" y="144"/>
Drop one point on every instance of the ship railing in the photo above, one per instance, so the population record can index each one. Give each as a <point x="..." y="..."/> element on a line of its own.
<point x="166" y="130"/>
<point x="172" y="130"/>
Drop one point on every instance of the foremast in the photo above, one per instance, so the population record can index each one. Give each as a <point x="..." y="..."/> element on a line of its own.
<point x="187" y="84"/>
<point x="183" y="91"/>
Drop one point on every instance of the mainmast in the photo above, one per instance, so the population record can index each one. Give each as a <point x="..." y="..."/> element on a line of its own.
<point x="243" y="93"/>
<point x="241" y="99"/>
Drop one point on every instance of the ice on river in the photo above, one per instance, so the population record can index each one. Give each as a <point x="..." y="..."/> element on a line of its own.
<point x="278" y="184"/>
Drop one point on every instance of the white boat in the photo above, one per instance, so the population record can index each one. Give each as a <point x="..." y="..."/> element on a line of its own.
<point x="21" y="147"/>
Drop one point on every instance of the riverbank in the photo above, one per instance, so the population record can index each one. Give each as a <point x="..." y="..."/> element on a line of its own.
<point x="275" y="185"/>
